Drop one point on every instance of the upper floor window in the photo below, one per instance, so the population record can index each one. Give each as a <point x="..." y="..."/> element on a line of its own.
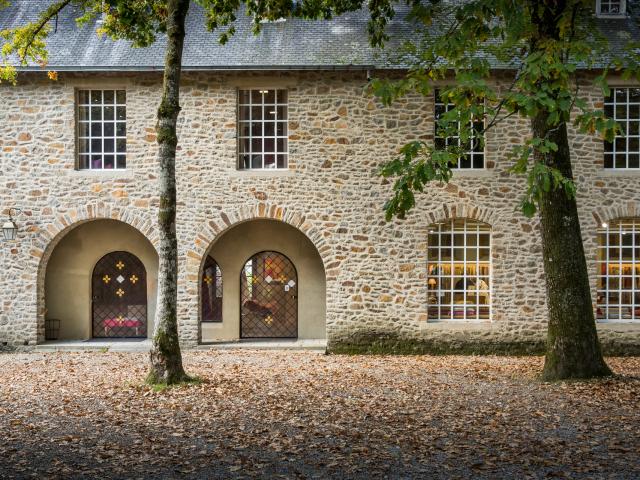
<point x="618" y="294"/>
<point x="262" y="129"/>
<point x="623" y="105"/>
<point x="459" y="270"/>
<point x="611" y="7"/>
<point x="102" y="129"/>
<point x="474" y="156"/>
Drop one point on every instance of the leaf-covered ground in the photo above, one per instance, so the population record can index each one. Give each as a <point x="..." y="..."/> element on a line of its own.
<point x="306" y="415"/>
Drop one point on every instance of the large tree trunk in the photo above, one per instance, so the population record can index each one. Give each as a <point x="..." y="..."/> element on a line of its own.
<point x="166" y="359"/>
<point x="573" y="349"/>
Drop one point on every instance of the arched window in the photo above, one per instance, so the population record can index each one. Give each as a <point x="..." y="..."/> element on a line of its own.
<point x="459" y="270"/>
<point x="618" y="294"/>
<point x="211" y="291"/>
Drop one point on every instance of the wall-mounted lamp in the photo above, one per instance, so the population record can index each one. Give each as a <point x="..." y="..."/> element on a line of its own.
<point x="9" y="228"/>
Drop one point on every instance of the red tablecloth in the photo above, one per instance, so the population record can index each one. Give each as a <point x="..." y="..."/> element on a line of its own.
<point x="125" y="322"/>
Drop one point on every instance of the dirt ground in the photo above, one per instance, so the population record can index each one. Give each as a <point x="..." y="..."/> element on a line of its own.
<point x="260" y="414"/>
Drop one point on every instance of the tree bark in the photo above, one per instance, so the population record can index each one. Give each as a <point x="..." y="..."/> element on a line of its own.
<point x="165" y="356"/>
<point x="573" y="349"/>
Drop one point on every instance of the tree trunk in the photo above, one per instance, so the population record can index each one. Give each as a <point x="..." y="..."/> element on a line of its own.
<point x="166" y="358"/>
<point x="573" y="349"/>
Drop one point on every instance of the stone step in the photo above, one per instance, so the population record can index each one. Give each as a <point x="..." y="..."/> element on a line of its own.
<point x="124" y="345"/>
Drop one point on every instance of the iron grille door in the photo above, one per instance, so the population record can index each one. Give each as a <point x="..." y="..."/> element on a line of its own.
<point x="119" y="293"/>
<point x="269" y="297"/>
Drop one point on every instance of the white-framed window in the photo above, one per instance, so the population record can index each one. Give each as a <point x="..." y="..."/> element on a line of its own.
<point x="474" y="156"/>
<point x="618" y="290"/>
<point x="262" y="129"/>
<point x="623" y="105"/>
<point x="459" y="270"/>
<point x="611" y="7"/>
<point x="102" y="129"/>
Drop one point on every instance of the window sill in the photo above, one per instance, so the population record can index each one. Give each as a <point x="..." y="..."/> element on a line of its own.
<point x="619" y="172"/>
<point x="284" y="172"/>
<point x="456" y="325"/>
<point x="618" y="325"/>
<point x="99" y="174"/>
<point x="614" y="16"/>
<point x="472" y="172"/>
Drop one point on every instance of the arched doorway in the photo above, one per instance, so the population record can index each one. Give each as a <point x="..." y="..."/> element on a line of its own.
<point x="119" y="297"/>
<point x="268" y="297"/>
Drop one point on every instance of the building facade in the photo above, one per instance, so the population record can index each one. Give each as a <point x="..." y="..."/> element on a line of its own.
<point x="281" y="232"/>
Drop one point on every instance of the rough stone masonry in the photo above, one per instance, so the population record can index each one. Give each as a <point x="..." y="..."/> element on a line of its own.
<point x="376" y="288"/>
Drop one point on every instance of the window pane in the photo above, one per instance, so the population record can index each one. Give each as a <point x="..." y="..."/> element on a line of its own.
<point x="83" y="97"/>
<point x="83" y="113"/>
<point x="244" y="113"/>
<point x="83" y="129"/>
<point x="269" y="129"/>
<point x="96" y="129"/>
<point x="270" y="97"/>
<point x="121" y="97"/>
<point x="282" y="144"/>
<point x="109" y="129"/>
<point x="269" y="161"/>
<point x="108" y="113"/>
<point x="109" y="96"/>
<point x="244" y="97"/>
<point x="96" y="97"/>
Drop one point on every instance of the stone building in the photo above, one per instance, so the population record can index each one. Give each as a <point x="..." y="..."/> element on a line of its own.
<point x="280" y="223"/>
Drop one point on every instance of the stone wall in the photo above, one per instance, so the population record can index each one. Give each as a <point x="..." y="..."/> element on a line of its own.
<point x="376" y="271"/>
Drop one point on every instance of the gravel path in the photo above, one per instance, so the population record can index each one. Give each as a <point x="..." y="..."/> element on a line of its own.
<point x="260" y="414"/>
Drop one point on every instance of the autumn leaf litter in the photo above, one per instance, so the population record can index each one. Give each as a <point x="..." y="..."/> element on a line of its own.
<point x="284" y="414"/>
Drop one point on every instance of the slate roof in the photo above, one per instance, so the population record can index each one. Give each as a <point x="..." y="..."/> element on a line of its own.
<point x="341" y="43"/>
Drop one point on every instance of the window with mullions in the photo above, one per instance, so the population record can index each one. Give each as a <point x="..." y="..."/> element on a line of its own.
<point x="618" y="293"/>
<point x="262" y="129"/>
<point x="102" y="129"/>
<point x="623" y="105"/>
<point x="459" y="271"/>
<point x="474" y="156"/>
<point x="611" y="7"/>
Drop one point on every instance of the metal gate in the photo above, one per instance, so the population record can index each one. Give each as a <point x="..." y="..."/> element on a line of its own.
<point x="119" y="297"/>
<point x="268" y="297"/>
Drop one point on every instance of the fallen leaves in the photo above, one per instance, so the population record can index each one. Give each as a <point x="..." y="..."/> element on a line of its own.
<point x="304" y="415"/>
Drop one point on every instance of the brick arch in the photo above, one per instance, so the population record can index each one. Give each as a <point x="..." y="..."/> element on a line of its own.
<point x="462" y="210"/>
<point x="608" y="214"/>
<point x="216" y="227"/>
<point x="51" y="233"/>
